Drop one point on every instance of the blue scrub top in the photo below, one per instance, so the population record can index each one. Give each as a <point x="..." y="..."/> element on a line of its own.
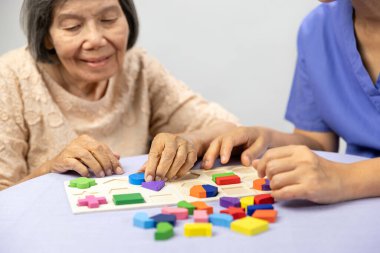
<point x="332" y="90"/>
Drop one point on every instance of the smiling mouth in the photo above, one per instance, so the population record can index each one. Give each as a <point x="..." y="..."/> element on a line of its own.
<point x="96" y="62"/>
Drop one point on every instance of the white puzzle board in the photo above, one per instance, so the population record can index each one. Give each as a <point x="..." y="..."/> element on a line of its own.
<point x="171" y="194"/>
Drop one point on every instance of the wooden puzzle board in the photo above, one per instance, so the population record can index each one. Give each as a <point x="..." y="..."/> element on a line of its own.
<point x="171" y="194"/>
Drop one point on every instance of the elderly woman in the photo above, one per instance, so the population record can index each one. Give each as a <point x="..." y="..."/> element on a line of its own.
<point x="80" y="96"/>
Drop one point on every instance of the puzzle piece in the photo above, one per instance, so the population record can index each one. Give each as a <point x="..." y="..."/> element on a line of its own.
<point x="170" y="218"/>
<point x="190" y="207"/>
<point x="180" y="213"/>
<point x="198" y="191"/>
<point x="268" y="215"/>
<point x="234" y="179"/>
<point x="197" y="229"/>
<point x="164" y="231"/>
<point x="142" y="220"/>
<point x="235" y="212"/>
<point x="200" y="205"/>
<point x="261" y="184"/>
<point x="220" y="219"/>
<point x="249" y="226"/>
<point x="200" y="216"/>
<point x="247" y="201"/>
<point x="154" y="185"/>
<point x="82" y="182"/>
<point x="136" y="178"/>
<point x="126" y="199"/>
<point x="91" y="201"/>
<point x="251" y="209"/>
<point x="229" y="201"/>
<point x="215" y="176"/>
<point x="203" y="191"/>
<point x="264" y="199"/>
<point x="211" y="191"/>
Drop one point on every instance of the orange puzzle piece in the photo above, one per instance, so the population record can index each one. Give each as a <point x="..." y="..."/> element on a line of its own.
<point x="198" y="191"/>
<point x="268" y="215"/>
<point x="200" y="205"/>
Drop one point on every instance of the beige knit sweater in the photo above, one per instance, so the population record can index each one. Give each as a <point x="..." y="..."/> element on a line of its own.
<point x="38" y="118"/>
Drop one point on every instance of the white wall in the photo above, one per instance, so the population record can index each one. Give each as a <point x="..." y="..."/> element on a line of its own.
<point x="239" y="53"/>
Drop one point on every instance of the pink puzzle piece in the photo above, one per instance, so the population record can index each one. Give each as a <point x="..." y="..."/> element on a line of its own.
<point x="91" y="201"/>
<point x="180" y="213"/>
<point x="200" y="216"/>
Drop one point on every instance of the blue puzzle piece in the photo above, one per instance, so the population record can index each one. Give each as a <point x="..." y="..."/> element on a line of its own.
<point x="142" y="220"/>
<point x="211" y="191"/>
<point x="251" y="209"/>
<point x="164" y="218"/>
<point x="221" y="219"/>
<point x="137" y="178"/>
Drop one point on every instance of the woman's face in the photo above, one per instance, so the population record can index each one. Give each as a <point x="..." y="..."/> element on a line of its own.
<point x="90" y="38"/>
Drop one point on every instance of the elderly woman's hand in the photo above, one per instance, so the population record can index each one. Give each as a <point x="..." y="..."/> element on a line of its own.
<point x="295" y="172"/>
<point x="170" y="157"/>
<point x="254" y="141"/>
<point x="85" y="155"/>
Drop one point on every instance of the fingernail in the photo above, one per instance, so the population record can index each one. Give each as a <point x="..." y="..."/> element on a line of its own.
<point x="165" y="179"/>
<point x="158" y="179"/>
<point x="119" y="171"/>
<point x="204" y="163"/>
<point x="175" y="178"/>
<point x="223" y="159"/>
<point x="149" y="178"/>
<point x="109" y="173"/>
<point x="102" y="174"/>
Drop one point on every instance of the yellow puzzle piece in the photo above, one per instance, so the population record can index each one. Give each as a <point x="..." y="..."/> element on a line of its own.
<point x="249" y="226"/>
<point x="198" y="229"/>
<point x="247" y="201"/>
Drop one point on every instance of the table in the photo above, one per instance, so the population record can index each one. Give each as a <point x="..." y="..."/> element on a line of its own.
<point x="35" y="217"/>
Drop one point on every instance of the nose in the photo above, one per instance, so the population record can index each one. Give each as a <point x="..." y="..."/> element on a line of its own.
<point x="94" y="38"/>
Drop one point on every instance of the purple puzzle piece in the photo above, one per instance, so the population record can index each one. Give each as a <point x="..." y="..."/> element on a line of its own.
<point x="266" y="186"/>
<point x="154" y="185"/>
<point x="229" y="201"/>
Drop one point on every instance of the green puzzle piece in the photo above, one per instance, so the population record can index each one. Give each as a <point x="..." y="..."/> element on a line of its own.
<point x="184" y="204"/>
<point x="164" y="231"/>
<point x="214" y="176"/>
<point x="126" y="199"/>
<point x="82" y="183"/>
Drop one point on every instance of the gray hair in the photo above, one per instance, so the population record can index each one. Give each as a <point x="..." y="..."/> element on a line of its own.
<point x="36" y="19"/>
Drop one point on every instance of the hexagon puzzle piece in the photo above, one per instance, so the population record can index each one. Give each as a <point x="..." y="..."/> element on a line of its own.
<point x="82" y="183"/>
<point x="164" y="231"/>
<point x="91" y="201"/>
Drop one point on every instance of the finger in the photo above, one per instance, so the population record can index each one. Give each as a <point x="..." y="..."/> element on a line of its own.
<point x="179" y="160"/>
<point x="115" y="162"/>
<point x="87" y="159"/>
<point x="254" y="151"/>
<point x="103" y="159"/>
<point x="143" y="167"/>
<point x="226" y="146"/>
<point x="290" y="192"/>
<point x="190" y="161"/>
<point x="75" y="165"/>
<point x="211" y="154"/>
<point x="277" y="166"/>
<point x="116" y="155"/>
<point x="284" y="179"/>
<point x="271" y="154"/>
<point x="153" y="159"/>
<point x="167" y="157"/>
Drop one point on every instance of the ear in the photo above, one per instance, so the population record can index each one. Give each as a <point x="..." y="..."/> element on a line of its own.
<point x="48" y="43"/>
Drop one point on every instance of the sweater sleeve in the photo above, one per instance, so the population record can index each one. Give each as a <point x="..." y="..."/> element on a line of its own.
<point x="13" y="130"/>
